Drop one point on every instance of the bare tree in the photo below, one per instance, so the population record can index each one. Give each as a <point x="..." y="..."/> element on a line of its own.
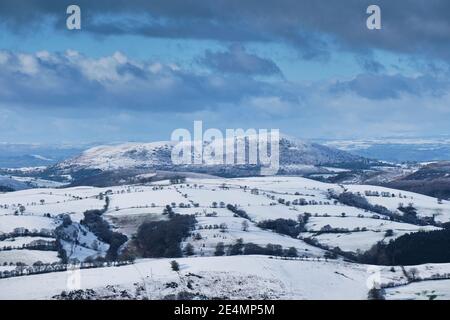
<point x="413" y="272"/>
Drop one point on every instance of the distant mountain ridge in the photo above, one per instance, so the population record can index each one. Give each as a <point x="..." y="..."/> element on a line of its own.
<point x="134" y="162"/>
<point x="15" y="155"/>
<point x="432" y="179"/>
<point x="397" y="149"/>
<point x="9" y="184"/>
<point x="296" y="157"/>
<point x="158" y="154"/>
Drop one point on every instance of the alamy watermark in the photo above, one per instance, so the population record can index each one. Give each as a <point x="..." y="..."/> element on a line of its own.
<point x="73" y="281"/>
<point x="235" y="147"/>
<point x="73" y="21"/>
<point x="374" y="20"/>
<point x="373" y="280"/>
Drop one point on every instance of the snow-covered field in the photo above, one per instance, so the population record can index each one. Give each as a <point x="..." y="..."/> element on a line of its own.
<point x="268" y="198"/>
<point x="18" y="242"/>
<point x="210" y="237"/>
<point x="261" y="213"/>
<point x="366" y="231"/>
<point x="28" y="257"/>
<point x="236" y="277"/>
<point x="333" y="210"/>
<point x="10" y="222"/>
<point x="39" y="183"/>
<point x="351" y="223"/>
<point x="205" y="197"/>
<point x="239" y="277"/>
<point x="425" y="290"/>
<point x="426" y="206"/>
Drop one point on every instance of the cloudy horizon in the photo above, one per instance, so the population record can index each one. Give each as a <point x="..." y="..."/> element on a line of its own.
<point x="137" y="70"/>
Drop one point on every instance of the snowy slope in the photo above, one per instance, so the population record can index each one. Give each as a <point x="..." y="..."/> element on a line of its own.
<point x="426" y="290"/>
<point x="237" y="277"/>
<point x="426" y="206"/>
<point x="28" y="256"/>
<point x="10" y="222"/>
<point x="10" y="183"/>
<point x="264" y="198"/>
<point x="158" y="154"/>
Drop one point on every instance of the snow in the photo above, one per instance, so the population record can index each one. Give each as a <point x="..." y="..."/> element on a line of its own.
<point x="147" y="202"/>
<point x="257" y="276"/>
<point x="127" y="212"/>
<point x="39" y="183"/>
<point x="210" y="237"/>
<point x="9" y="182"/>
<point x="18" y="242"/>
<point x="350" y="223"/>
<point x="336" y="170"/>
<point x="9" y="222"/>
<point x="73" y="207"/>
<point x="282" y="184"/>
<point x="352" y="242"/>
<point x="28" y="256"/>
<point x="205" y="197"/>
<point x="261" y="213"/>
<point x="7" y="268"/>
<point x="333" y="210"/>
<point x="426" y="206"/>
<point x="359" y="240"/>
<point x="295" y="155"/>
<point x="146" y="197"/>
<point x="80" y="253"/>
<point x="236" y="277"/>
<point x="425" y="290"/>
<point x="31" y="196"/>
<point x="84" y="243"/>
<point x="123" y="156"/>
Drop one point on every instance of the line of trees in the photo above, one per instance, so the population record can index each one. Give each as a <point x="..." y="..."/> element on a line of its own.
<point x="39" y="267"/>
<point x="241" y="248"/>
<point x="23" y="232"/>
<point x="238" y="212"/>
<point x="40" y="245"/>
<point x="409" y="212"/>
<point x="287" y="227"/>
<point x="411" y="249"/>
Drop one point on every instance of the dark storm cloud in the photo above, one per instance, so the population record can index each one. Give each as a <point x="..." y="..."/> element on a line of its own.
<point x="414" y="26"/>
<point x="73" y="81"/>
<point x="381" y="87"/>
<point x="370" y="65"/>
<point x="69" y="92"/>
<point x="237" y="60"/>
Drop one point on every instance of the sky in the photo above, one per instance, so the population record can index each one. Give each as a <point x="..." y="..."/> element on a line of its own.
<point x="139" y="69"/>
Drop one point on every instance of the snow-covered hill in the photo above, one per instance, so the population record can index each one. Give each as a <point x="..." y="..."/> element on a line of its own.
<point x="8" y="184"/>
<point x="236" y="277"/>
<point x="34" y="215"/>
<point x="14" y="155"/>
<point x="158" y="154"/>
<point x="246" y="277"/>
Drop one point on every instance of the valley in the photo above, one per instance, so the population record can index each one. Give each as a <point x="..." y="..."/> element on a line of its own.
<point x="271" y="237"/>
